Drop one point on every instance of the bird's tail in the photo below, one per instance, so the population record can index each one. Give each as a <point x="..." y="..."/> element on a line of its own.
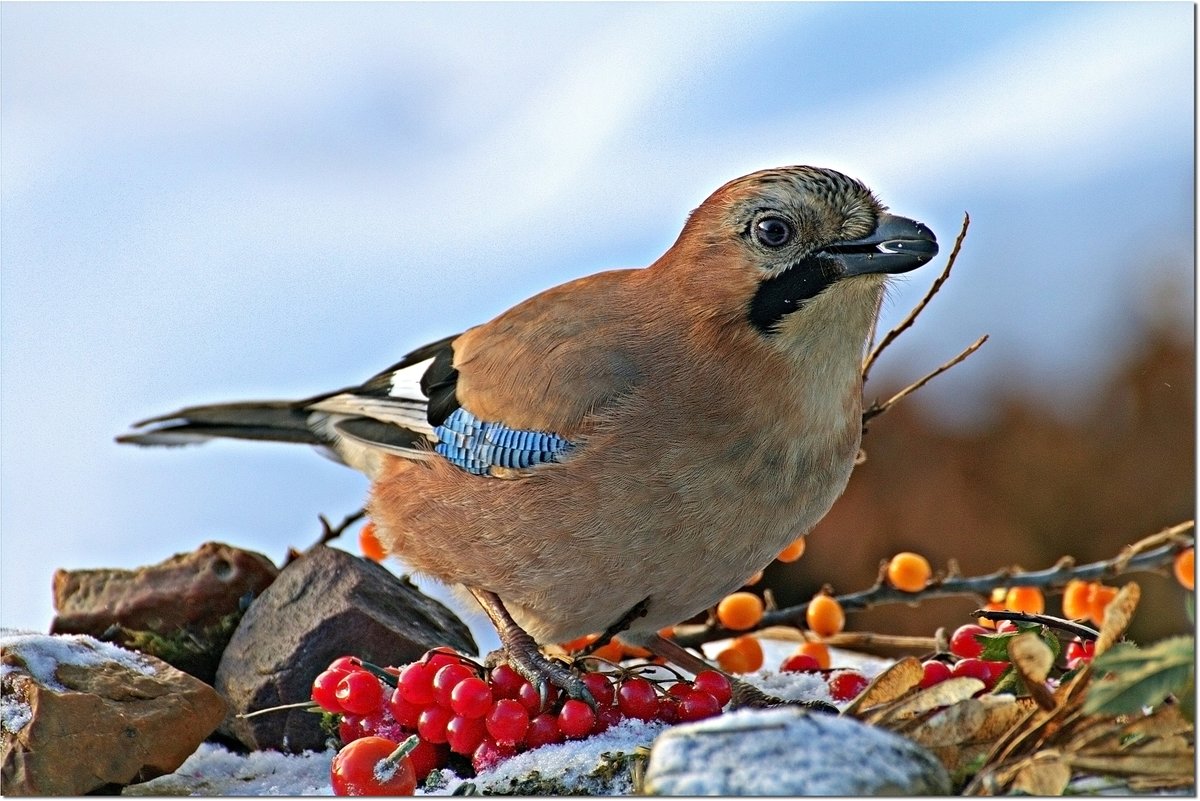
<point x="273" y="421"/>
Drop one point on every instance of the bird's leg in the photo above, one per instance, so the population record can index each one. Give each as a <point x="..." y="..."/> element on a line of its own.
<point x="625" y="622"/>
<point x="525" y="657"/>
<point x="745" y="694"/>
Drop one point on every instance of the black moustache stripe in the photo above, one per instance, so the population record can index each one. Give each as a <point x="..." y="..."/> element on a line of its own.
<point x="786" y="292"/>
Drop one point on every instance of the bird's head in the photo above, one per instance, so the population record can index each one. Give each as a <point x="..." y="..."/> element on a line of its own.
<point x="783" y="240"/>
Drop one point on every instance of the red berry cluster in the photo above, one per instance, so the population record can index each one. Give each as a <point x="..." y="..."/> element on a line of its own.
<point x="964" y="659"/>
<point x="843" y="684"/>
<point x="455" y="706"/>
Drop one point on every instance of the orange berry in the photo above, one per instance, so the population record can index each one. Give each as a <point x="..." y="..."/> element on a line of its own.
<point x="991" y="606"/>
<point x="369" y="543"/>
<point x="757" y="577"/>
<point x="909" y="571"/>
<point x="579" y="643"/>
<point x="825" y="616"/>
<point x="818" y="651"/>
<point x="667" y="633"/>
<point x="792" y="552"/>
<point x="1075" y="599"/>
<point x="633" y="651"/>
<point x="740" y="611"/>
<point x="733" y="660"/>
<point x="1099" y="597"/>
<point x="611" y="650"/>
<point x="1185" y="568"/>
<point x="751" y="648"/>
<point x="1025" y="599"/>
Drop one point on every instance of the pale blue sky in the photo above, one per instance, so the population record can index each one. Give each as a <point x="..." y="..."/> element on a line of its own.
<point x="207" y="202"/>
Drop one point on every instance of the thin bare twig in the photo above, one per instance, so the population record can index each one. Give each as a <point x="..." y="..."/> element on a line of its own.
<point x="878" y="408"/>
<point x="891" y="336"/>
<point x="1053" y="579"/>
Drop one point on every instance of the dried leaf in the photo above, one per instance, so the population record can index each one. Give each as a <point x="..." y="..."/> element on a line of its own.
<point x="945" y="693"/>
<point x="1044" y="774"/>
<point x="890" y="685"/>
<point x="1032" y="657"/>
<point x="1176" y="764"/>
<point x="1032" y="660"/>
<point x="954" y="725"/>
<point x="1140" y="677"/>
<point x="1117" y="616"/>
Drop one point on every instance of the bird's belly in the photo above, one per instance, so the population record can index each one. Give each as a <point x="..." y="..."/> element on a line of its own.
<point x="572" y="551"/>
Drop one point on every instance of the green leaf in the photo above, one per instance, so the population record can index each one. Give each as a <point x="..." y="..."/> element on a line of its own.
<point x="995" y="646"/>
<point x="1140" y="677"/>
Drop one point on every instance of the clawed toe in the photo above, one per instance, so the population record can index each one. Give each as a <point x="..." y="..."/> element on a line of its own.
<point x="747" y="696"/>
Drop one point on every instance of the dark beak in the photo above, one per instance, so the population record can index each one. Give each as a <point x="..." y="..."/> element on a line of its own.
<point x="897" y="245"/>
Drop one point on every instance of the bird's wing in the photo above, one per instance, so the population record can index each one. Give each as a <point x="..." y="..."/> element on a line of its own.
<point x="509" y="394"/>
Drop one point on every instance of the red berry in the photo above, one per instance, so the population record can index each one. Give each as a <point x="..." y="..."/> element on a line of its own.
<point x="543" y="730"/>
<point x="935" y="673"/>
<point x="324" y="689"/>
<point x="446" y="679"/>
<point x="963" y="642"/>
<point x="464" y="734"/>
<point x="528" y="695"/>
<point x="441" y="656"/>
<point x="471" y="698"/>
<point x="489" y="754"/>
<point x="698" y="705"/>
<point x="431" y="724"/>
<point x="507" y="721"/>
<point x="576" y="719"/>
<point x="986" y="671"/>
<point x="382" y="724"/>
<point x="637" y="699"/>
<point x="359" y="693"/>
<point x="680" y="689"/>
<point x="404" y="711"/>
<point x="506" y="682"/>
<point x="416" y="683"/>
<point x="800" y="663"/>
<point x="350" y="728"/>
<point x="996" y="669"/>
<point x="600" y="688"/>
<point x="715" y="684"/>
<point x="428" y="757"/>
<point x="608" y="715"/>
<point x="1006" y="627"/>
<point x="1078" y="649"/>
<point x="346" y="664"/>
<point x="668" y="709"/>
<point x="364" y="768"/>
<point x="847" y="684"/>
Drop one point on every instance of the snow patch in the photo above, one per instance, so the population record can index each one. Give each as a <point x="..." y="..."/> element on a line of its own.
<point x="40" y="655"/>
<point x="214" y="770"/>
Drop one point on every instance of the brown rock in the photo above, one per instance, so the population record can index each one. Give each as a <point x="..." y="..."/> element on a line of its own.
<point x="325" y="604"/>
<point x="182" y="610"/>
<point x="81" y="715"/>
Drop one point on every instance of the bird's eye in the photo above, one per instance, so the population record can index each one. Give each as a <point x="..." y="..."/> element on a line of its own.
<point x="772" y="232"/>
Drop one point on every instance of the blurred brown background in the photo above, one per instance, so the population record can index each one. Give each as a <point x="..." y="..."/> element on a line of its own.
<point x="1024" y="488"/>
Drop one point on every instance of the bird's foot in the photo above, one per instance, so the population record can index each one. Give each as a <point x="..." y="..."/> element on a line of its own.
<point x="523" y="655"/>
<point x="747" y="696"/>
<point x="543" y="673"/>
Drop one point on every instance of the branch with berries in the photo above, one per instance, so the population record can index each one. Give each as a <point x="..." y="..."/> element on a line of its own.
<point x="1155" y="553"/>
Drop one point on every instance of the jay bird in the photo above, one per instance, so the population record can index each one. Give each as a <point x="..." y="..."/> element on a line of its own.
<point x="620" y="452"/>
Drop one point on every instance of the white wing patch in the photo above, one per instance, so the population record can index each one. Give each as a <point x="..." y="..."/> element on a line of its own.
<point x="406" y="382"/>
<point x="409" y="414"/>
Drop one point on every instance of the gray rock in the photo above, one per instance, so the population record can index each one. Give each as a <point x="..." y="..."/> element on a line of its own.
<point x="325" y="604"/>
<point x="789" y="752"/>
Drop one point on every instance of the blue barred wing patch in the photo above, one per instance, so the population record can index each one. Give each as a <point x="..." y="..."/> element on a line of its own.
<point x="477" y="446"/>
